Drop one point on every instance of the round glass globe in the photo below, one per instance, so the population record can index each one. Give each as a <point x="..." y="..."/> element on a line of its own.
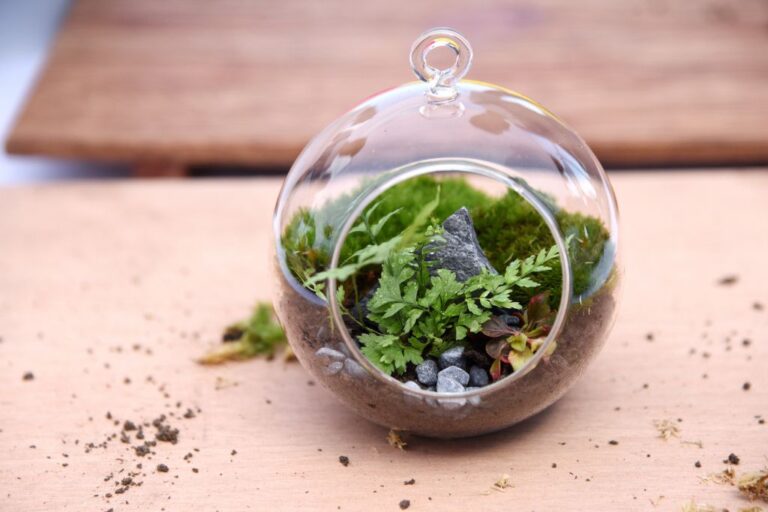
<point x="528" y="182"/>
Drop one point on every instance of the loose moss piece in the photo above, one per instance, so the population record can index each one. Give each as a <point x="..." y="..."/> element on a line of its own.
<point x="395" y="440"/>
<point x="754" y="485"/>
<point x="502" y="483"/>
<point x="691" y="506"/>
<point x="260" y="335"/>
<point x="666" y="429"/>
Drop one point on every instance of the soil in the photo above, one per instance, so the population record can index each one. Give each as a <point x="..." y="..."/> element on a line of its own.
<point x="508" y="402"/>
<point x="344" y="460"/>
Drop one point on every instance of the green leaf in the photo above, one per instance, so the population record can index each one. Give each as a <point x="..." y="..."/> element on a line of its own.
<point x="376" y="228"/>
<point x="394" y="309"/>
<point x="526" y="282"/>
<point x="413" y="316"/>
<point x="518" y="359"/>
<point x="421" y="218"/>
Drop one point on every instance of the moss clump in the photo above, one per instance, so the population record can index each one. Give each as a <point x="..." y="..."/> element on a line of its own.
<point x="508" y="228"/>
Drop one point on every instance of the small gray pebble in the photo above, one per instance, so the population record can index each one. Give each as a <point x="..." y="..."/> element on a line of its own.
<point x="333" y="355"/>
<point x="426" y="372"/>
<point x="453" y="357"/>
<point x="448" y="385"/>
<point x="354" y="369"/>
<point x="478" y="377"/>
<point x="455" y="373"/>
<point x="334" y="368"/>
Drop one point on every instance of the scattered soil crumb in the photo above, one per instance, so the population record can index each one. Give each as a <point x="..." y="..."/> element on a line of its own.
<point x="754" y="485"/>
<point x="162" y="468"/>
<point x="502" y="483"/>
<point x="344" y="460"/>
<point x="666" y="429"/>
<point x="404" y="504"/>
<point x="746" y="386"/>
<point x="395" y="440"/>
<point x="697" y="464"/>
<point x="613" y="442"/>
<point x="28" y="376"/>
<point x="728" y="280"/>
<point x="410" y="482"/>
<point x="732" y="459"/>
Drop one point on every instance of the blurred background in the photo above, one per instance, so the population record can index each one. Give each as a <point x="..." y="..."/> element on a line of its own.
<point x="124" y="88"/>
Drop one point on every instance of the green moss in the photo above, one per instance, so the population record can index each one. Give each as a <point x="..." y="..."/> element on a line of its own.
<point x="410" y="197"/>
<point x="507" y="228"/>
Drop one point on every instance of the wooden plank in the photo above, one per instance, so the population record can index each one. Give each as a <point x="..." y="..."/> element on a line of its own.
<point x="646" y="82"/>
<point x="90" y="270"/>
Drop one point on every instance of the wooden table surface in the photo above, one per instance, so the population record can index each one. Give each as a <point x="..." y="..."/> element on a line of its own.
<point x="108" y="292"/>
<point x="179" y="82"/>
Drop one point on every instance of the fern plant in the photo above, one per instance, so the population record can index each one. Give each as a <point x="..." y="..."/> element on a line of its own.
<point x="417" y="313"/>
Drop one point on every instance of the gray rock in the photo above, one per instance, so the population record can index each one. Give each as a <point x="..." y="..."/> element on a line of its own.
<point x="412" y="384"/>
<point x="426" y="372"/>
<point x="334" y="368"/>
<point x="461" y="252"/>
<point x="449" y="385"/>
<point x="453" y="357"/>
<point x="454" y="373"/>
<point x="329" y="353"/>
<point x="354" y="369"/>
<point x="478" y="377"/>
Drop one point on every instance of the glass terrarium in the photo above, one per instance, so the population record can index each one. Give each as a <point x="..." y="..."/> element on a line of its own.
<point x="446" y="253"/>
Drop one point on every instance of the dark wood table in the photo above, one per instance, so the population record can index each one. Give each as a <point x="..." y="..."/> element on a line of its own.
<point x="175" y="83"/>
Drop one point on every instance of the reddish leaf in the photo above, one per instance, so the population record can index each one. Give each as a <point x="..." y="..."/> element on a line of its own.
<point x="496" y="348"/>
<point x="496" y="327"/>
<point x="538" y="309"/>
<point x="495" y="370"/>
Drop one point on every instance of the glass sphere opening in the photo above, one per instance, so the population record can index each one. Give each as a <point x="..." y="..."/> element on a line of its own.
<point x="434" y="291"/>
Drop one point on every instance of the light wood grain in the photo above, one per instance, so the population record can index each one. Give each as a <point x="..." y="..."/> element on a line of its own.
<point x="646" y="82"/>
<point x="88" y="268"/>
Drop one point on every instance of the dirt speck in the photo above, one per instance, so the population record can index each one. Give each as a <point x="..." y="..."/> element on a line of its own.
<point x="410" y="482"/>
<point x="728" y="280"/>
<point x="404" y="504"/>
<point x="162" y="468"/>
<point x="344" y="460"/>
<point x="28" y="376"/>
